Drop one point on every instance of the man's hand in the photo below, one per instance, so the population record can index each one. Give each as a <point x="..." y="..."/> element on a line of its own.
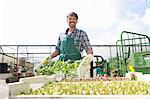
<point x="46" y="60"/>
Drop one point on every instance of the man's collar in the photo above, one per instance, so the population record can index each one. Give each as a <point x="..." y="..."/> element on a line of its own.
<point x="67" y="30"/>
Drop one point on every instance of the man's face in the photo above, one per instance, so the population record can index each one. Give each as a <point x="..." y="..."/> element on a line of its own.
<point x="72" y="21"/>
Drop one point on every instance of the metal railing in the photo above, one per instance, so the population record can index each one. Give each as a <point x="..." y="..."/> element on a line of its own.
<point x="38" y="52"/>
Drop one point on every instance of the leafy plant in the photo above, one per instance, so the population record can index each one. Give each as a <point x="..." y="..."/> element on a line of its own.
<point x="67" y="68"/>
<point x="93" y="88"/>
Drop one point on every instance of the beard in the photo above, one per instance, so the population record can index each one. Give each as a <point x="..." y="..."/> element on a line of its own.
<point x="72" y="25"/>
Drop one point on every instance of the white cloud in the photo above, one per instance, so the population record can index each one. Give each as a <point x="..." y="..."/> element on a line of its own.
<point x="41" y="21"/>
<point x="135" y="23"/>
<point x="146" y="17"/>
<point x="98" y="15"/>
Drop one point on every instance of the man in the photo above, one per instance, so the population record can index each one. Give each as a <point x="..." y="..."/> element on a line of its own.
<point x="72" y="41"/>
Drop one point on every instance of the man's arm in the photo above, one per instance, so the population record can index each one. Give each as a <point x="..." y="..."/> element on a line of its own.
<point x="86" y="44"/>
<point x="54" y="54"/>
<point x="57" y="50"/>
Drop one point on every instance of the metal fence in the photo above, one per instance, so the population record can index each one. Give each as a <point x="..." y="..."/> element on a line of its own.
<point x="11" y="54"/>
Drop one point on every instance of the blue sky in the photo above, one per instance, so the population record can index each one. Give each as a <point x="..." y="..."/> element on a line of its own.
<point x="41" y="21"/>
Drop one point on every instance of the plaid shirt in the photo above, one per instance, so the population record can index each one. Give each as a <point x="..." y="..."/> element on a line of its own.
<point x="81" y="40"/>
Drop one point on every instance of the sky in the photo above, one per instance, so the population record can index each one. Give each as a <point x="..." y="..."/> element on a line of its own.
<point x="39" y="22"/>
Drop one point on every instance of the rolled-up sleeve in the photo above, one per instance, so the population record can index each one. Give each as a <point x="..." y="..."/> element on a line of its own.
<point x="85" y="42"/>
<point x="58" y="45"/>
